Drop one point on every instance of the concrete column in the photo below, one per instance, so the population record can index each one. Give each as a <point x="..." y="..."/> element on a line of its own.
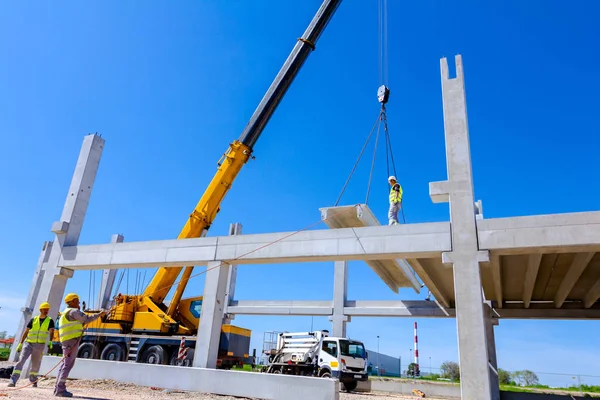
<point x="29" y="309"/>
<point x="211" y="316"/>
<point x="465" y="255"/>
<point x="68" y="229"/>
<point x="234" y="229"/>
<point x="108" y="280"/>
<point x="490" y="322"/>
<point x="340" y="295"/>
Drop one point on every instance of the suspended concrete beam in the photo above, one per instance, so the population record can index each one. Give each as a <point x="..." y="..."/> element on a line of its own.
<point x="369" y="243"/>
<point x="353" y="308"/>
<point x="395" y="273"/>
<point x="567" y="312"/>
<point x="217" y="381"/>
<point x="554" y="233"/>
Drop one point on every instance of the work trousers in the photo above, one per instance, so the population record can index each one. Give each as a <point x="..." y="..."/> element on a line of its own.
<point x="35" y="351"/>
<point x="69" y="349"/>
<point x="393" y="213"/>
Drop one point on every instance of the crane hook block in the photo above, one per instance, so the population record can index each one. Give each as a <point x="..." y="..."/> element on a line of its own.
<point x="383" y="93"/>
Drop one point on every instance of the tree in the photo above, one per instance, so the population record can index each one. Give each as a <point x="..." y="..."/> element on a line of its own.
<point x="525" y="378"/>
<point x="450" y="370"/>
<point x="413" y="370"/>
<point x="504" y="377"/>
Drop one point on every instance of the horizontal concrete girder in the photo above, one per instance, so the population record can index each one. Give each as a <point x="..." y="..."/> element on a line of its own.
<point x="554" y="233"/>
<point x="368" y="243"/>
<point x="354" y="308"/>
<point x="233" y="383"/>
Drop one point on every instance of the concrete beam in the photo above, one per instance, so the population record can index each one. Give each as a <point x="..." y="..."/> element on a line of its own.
<point x="533" y="265"/>
<point x="554" y="233"/>
<point x="579" y="264"/>
<point x="433" y="288"/>
<point x="548" y="313"/>
<point x="369" y="243"/>
<point x="592" y="295"/>
<point x="352" y="308"/>
<point x="280" y="307"/>
<point x="222" y="382"/>
<point x="108" y="280"/>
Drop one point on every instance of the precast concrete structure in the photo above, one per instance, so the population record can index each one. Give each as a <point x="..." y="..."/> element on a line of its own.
<point x="479" y="270"/>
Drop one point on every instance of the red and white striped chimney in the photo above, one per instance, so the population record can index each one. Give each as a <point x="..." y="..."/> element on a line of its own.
<point x="417" y="372"/>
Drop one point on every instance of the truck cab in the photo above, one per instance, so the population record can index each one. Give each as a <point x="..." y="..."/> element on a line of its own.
<point x="318" y="354"/>
<point x="344" y="359"/>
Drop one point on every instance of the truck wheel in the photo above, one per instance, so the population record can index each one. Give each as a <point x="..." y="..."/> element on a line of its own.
<point x="87" y="350"/>
<point x="350" y="386"/>
<point x="112" y="352"/>
<point x="325" y="374"/>
<point x="154" y="355"/>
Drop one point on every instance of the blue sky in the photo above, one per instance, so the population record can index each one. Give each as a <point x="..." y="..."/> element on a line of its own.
<point x="169" y="86"/>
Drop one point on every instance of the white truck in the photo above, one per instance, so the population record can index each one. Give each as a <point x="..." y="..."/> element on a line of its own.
<point x="318" y="354"/>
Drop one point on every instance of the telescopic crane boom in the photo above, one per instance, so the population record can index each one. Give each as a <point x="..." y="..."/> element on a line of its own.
<point x="229" y="166"/>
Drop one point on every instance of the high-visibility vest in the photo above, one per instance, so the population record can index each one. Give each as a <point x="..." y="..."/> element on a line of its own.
<point x="395" y="197"/>
<point x="69" y="329"/>
<point x="38" y="332"/>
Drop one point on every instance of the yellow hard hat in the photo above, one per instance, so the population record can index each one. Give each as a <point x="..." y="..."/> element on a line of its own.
<point x="70" y="297"/>
<point x="45" y="305"/>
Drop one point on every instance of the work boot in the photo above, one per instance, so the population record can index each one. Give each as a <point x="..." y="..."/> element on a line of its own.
<point x="64" y="394"/>
<point x="11" y="384"/>
<point x="34" y="384"/>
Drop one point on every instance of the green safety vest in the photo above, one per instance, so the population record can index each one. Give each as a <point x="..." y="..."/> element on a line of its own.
<point x="38" y="332"/>
<point x="69" y="329"/>
<point x="395" y="197"/>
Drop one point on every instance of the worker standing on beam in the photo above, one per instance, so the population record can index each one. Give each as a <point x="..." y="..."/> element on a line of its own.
<point x="70" y="331"/>
<point x="37" y="335"/>
<point x="395" y="200"/>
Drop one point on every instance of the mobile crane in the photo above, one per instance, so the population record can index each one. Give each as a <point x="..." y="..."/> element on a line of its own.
<point x="142" y="328"/>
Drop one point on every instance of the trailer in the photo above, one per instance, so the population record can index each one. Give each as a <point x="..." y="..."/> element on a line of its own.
<point x="320" y="355"/>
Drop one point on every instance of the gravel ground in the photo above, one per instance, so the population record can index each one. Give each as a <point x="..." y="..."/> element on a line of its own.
<point x="110" y="390"/>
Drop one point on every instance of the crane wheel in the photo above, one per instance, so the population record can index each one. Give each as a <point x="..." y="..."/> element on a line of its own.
<point x="87" y="350"/>
<point x="154" y="355"/>
<point x="113" y="352"/>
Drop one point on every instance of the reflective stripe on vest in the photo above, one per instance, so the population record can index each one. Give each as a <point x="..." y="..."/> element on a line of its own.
<point x="38" y="333"/>
<point x="69" y="329"/>
<point x="395" y="197"/>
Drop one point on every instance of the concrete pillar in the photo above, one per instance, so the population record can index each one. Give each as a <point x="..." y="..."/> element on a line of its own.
<point x="490" y="322"/>
<point x="340" y="295"/>
<point x="29" y="309"/>
<point x="465" y="256"/>
<point x="108" y="280"/>
<point x="234" y="229"/>
<point x="54" y="279"/>
<point x="211" y="316"/>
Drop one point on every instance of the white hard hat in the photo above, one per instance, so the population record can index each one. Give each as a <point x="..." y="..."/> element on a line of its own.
<point x="392" y="178"/>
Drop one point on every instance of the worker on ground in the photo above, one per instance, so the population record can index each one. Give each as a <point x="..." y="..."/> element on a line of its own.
<point x="36" y="336"/>
<point x="70" y="331"/>
<point x="395" y="200"/>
